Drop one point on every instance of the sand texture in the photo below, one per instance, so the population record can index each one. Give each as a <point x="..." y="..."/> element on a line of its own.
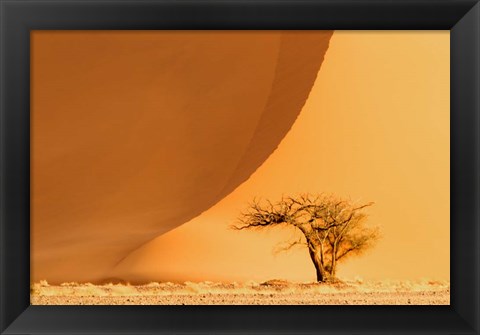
<point x="273" y="292"/>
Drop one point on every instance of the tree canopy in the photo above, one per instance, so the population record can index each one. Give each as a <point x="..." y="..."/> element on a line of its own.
<point x="333" y="228"/>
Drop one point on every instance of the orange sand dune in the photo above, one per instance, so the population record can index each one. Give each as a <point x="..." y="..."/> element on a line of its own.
<point x="376" y="128"/>
<point x="135" y="133"/>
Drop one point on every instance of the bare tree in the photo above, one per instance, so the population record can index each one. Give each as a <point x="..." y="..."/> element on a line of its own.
<point x="332" y="228"/>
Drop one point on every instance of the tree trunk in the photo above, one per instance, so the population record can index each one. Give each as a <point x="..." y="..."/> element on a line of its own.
<point x="320" y="270"/>
<point x="334" y="260"/>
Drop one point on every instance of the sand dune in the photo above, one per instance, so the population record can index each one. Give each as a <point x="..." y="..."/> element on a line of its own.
<point x="357" y="137"/>
<point x="109" y="108"/>
<point x="135" y="133"/>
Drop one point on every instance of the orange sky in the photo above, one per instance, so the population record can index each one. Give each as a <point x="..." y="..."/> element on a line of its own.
<point x="375" y="127"/>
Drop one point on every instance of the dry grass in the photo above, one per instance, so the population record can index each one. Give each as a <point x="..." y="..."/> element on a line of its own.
<point x="276" y="292"/>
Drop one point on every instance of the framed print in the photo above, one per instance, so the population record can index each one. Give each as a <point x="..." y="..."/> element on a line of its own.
<point x="125" y="123"/>
<point x="256" y="157"/>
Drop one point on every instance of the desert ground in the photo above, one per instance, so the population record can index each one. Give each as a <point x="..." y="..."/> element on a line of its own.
<point x="273" y="292"/>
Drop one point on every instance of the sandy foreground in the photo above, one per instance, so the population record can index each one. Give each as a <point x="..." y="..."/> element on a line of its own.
<point x="274" y="292"/>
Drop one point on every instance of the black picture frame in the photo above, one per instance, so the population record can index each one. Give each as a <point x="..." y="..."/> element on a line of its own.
<point x="18" y="17"/>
